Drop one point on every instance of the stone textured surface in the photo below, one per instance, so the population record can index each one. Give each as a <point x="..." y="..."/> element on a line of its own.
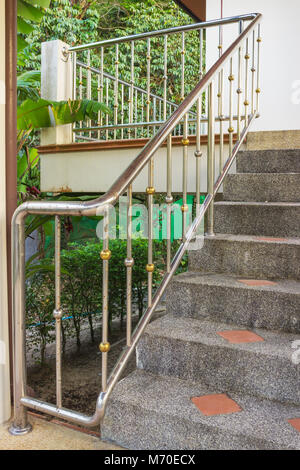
<point x="151" y="412"/>
<point x="246" y="256"/>
<point x="268" y="161"/>
<point x="223" y="298"/>
<point x="49" y="436"/>
<point x="265" y="140"/>
<point x="273" y="187"/>
<point x="272" y="219"/>
<point x="191" y="349"/>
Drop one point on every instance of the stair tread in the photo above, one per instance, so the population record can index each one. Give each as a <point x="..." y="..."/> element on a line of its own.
<point x="195" y="330"/>
<point x="156" y="407"/>
<point x="288" y="286"/>
<point x="257" y="203"/>
<point x="254" y="239"/>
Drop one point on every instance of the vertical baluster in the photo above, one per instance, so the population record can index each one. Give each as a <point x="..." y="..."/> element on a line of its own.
<point x="201" y="54"/>
<point x="57" y="314"/>
<point x="80" y="91"/>
<point x="131" y="98"/>
<point x="169" y="200"/>
<point x="165" y="77"/>
<point x="99" y="101"/>
<point x="101" y="87"/>
<point x="74" y="94"/>
<point x="150" y="192"/>
<point x="259" y="39"/>
<point x="211" y="156"/>
<point x="239" y="89"/>
<point x="231" y="129"/>
<point x="129" y="262"/>
<point x="160" y="111"/>
<point x="182" y="66"/>
<point x="116" y="91"/>
<point x="220" y="101"/>
<point x="198" y="153"/>
<point x="136" y="113"/>
<point x="105" y="255"/>
<point x="148" y="83"/>
<point x="89" y="84"/>
<point x="154" y="114"/>
<point x="122" y="110"/>
<point x="246" y="102"/>
<point x="184" y="207"/>
<point x="142" y="114"/>
<point x="253" y="70"/>
<point x="107" y="103"/>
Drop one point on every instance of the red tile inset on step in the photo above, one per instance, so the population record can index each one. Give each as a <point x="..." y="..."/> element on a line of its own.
<point x="271" y="239"/>
<point x="219" y="404"/>
<point x="295" y="423"/>
<point x="257" y="282"/>
<point x="240" y="336"/>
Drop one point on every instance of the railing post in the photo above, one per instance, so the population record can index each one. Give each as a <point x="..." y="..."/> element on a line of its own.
<point x="211" y="157"/>
<point x="56" y="85"/>
<point x="20" y="425"/>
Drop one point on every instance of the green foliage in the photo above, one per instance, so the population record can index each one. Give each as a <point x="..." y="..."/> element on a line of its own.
<point x="29" y="11"/>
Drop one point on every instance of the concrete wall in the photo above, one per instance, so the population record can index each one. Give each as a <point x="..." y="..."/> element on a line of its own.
<point x="280" y="57"/>
<point x="5" y="408"/>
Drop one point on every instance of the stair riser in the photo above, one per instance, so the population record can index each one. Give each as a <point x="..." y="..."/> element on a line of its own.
<point x="222" y="367"/>
<point x="139" y="429"/>
<point x="248" y="259"/>
<point x="251" y="308"/>
<point x="260" y="220"/>
<point x="262" y="187"/>
<point x="269" y="161"/>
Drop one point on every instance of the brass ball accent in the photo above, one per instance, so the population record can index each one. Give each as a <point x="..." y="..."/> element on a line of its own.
<point x="148" y="57"/>
<point x="231" y="78"/>
<point x="129" y="262"/>
<point x="150" y="268"/>
<point x="257" y="90"/>
<point x="169" y="199"/>
<point x="117" y="62"/>
<point x="253" y="69"/>
<point x="148" y="102"/>
<point x="259" y="39"/>
<point x="184" y="208"/>
<point x="185" y="141"/>
<point x="116" y="106"/>
<point x="247" y="57"/>
<point x="104" y="347"/>
<point x="230" y="130"/>
<point x="105" y="255"/>
<point x="219" y="95"/>
<point x="246" y="103"/>
<point x="80" y="83"/>
<point x="182" y="52"/>
<point x="150" y="190"/>
<point x="57" y="314"/>
<point x="239" y="91"/>
<point x="198" y="154"/>
<point x="220" y="46"/>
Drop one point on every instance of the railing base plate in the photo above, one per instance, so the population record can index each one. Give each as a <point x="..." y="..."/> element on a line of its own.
<point x="17" y="431"/>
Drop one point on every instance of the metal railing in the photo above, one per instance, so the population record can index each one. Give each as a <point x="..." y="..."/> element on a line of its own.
<point x="212" y="83"/>
<point x="142" y="79"/>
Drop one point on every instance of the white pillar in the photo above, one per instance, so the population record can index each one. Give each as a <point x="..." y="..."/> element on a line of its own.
<point x="5" y="406"/>
<point x="56" y="85"/>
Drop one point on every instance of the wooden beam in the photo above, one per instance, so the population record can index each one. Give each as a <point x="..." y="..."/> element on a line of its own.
<point x="195" y="8"/>
<point x="121" y="144"/>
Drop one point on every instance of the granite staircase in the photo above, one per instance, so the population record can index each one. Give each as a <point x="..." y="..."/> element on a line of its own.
<point x="222" y="369"/>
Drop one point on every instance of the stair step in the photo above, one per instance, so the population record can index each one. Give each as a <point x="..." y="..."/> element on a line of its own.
<point x="272" y="219"/>
<point x="221" y="297"/>
<point x="268" y="161"/>
<point x="192" y="349"/>
<point x="271" y="187"/>
<point x="246" y="256"/>
<point x="150" y="412"/>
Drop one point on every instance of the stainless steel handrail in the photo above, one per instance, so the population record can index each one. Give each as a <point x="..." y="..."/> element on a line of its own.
<point x="100" y="206"/>
<point x="159" y="32"/>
